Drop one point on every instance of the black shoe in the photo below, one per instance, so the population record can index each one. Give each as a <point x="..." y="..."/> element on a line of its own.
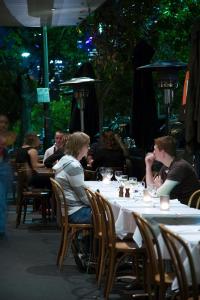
<point x="78" y="257"/>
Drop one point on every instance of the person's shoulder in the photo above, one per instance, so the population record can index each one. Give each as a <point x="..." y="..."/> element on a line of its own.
<point x="50" y="149"/>
<point x="182" y="163"/>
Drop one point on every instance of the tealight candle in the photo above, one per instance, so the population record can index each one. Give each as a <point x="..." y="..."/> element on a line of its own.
<point x="146" y="196"/>
<point x="106" y="180"/>
<point x="164" y="202"/>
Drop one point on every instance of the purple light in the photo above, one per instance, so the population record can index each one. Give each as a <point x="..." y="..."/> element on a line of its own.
<point x="89" y="40"/>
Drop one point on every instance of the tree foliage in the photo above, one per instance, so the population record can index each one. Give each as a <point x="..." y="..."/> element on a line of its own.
<point x="115" y="28"/>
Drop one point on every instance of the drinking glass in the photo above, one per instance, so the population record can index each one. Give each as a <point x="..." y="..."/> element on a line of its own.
<point x="152" y="190"/>
<point x="124" y="179"/>
<point x="118" y="175"/>
<point x="109" y="173"/>
<point x="133" y="180"/>
<point x="102" y="171"/>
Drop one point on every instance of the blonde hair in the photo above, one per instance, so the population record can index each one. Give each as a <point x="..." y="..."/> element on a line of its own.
<point x="75" y="143"/>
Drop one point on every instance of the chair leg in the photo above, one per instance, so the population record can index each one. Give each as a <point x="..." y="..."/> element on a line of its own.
<point x="101" y="262"/>
<point x="19" y="213"/>
<point x="110" y="274"/>
<point x="64" y="248"/>
<point x="60" y="247"/>
<point x="25" y="210"/>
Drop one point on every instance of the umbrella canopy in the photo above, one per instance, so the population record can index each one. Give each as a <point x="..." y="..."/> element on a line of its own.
<point x="144" y="113"/>
<point x="192" y="124"/>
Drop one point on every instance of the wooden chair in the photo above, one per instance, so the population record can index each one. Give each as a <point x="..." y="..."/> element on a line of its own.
<point x="157" y="279"/>
<point x="116" y="250"/>
<point x="178" y="248"/>
<point x="27" y="194"/>
<point x="68" y="230"/>
<point x="194" y="200"/>
<point x="99" y="250"/>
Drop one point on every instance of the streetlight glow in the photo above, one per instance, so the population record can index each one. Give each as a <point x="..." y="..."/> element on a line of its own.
<point x="25" y="54"/>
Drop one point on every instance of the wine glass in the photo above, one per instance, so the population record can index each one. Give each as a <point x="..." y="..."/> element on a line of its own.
<point x="102" y="171"/>
<point x="152" y="189"/>
<point x="109" y="173"/>
<point x="118" y="175"/>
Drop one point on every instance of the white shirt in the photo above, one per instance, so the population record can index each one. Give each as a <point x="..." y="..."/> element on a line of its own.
<point x="49" y="152"/>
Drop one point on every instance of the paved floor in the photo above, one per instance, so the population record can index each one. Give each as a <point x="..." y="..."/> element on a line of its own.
<point x="28" y="270"/>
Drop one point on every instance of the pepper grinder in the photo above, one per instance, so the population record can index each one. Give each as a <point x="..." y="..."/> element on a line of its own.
<point x="121" y="192"/>
<point x="127" y="193"/>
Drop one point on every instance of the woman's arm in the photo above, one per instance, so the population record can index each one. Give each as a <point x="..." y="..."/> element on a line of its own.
<point x="33" y="153"/>
<point x="76" y="180"/>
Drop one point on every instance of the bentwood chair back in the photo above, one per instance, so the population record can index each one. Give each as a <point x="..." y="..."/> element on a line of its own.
<point x="116" y="250"/>
<point x="157" y="279"/>
<point x="98" y="241"/>
<point x="26" y="193"/>
<point x="194" y="200"/>
<point x="68" y="230"/>
<point x="178" y="248"/>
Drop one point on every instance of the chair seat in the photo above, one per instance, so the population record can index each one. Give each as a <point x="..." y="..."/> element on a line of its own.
<point x="125" y="246"/>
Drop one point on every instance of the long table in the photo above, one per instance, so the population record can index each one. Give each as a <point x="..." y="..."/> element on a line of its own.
<point x="123" y="208"/>
<point x="175" y="218"/>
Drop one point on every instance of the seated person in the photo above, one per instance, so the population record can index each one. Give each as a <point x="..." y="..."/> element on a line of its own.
<point x="28" y="155"/>
<point x="58" y="144"/>
<point x="176" y="177"/>
<point x="70" y="174"/>
<point x="53" y="158"/>
<point x="109" y="153"/>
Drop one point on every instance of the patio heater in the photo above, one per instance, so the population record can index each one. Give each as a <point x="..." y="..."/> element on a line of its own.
<point x="167" y="72"/>
<point x="80" y="87"/>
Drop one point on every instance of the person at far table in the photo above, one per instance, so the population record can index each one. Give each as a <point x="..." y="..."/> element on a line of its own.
<point x="108" y="153"/>
<point x="58" y="144"/>
<point x="56" y="156"/>
<point x="176" y="178"/>
<point x="28" y="156"/>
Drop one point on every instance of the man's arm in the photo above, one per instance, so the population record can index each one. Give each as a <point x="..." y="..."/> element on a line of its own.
<point x="166" y="187"/>
<point x="149" y="159"/>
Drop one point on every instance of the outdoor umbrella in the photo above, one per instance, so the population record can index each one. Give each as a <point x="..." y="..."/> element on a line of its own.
<point x="144" y="113"/>
<point x="192" y="115"/>
<point x="192" y="124"/>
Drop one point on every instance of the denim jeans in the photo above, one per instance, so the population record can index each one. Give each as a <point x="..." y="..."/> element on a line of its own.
<point x="83" y="215"/>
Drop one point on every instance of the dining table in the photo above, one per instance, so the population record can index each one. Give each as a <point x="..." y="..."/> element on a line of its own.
<point x="123" y="207"/>
<point x="45" y="171"/>
<point x="179" y="218"/>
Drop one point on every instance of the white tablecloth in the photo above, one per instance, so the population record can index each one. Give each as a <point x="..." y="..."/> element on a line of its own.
<point x="124" y="222"/>
<point x="123" y="207"/>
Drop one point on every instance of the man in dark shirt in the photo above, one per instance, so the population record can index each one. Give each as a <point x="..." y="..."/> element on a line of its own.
<point x="177" y="177"/>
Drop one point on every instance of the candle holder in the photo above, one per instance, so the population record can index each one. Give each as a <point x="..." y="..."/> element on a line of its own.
<point x="164" y="202"/>
<point x="146" y="196"/>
